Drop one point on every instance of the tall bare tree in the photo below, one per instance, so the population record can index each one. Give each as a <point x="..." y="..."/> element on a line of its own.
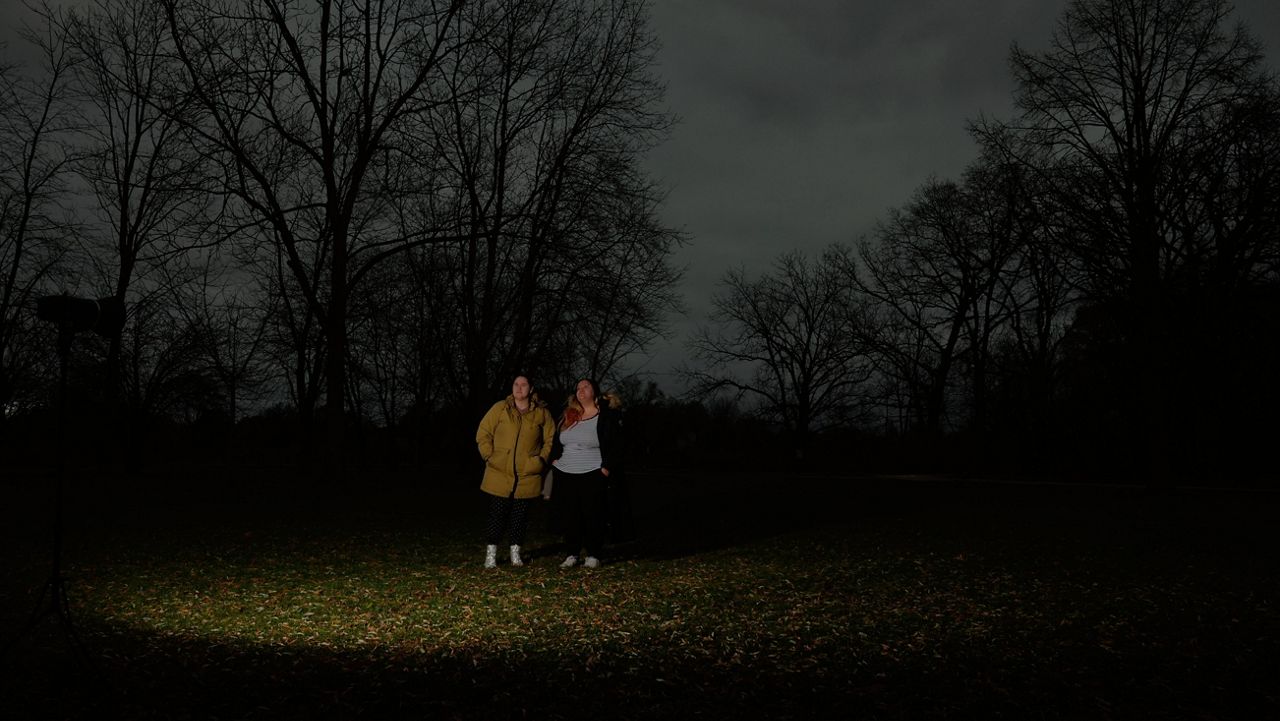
<point x="302" y="101"/>
<point x="1009" y="258"/>
<point x="539" y="145"/>
<point x="622" y="306"/>
<point x="1038" y="294"/>
<point x="166" y="371"/>
<point x="35" y="117"/>
<point x="1113" y="115"/>
<point x="932" y="274"/>
<point x="230" y="311"/>
<point x="147" y="192"/>
<point x="791" y="342"/>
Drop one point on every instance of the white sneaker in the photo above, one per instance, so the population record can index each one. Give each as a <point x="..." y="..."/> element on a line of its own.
<point x="515" y="556"/>
<point x="491" y="556"/>
<point x="569" y="562"/>
<point x="591" y="562"/>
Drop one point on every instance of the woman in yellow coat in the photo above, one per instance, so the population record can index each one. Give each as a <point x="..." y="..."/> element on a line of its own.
<point x="514" y="439"/>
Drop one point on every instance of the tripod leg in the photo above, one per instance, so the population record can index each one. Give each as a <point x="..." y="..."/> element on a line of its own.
<point x="53" y="601"/>
<point x="42" y="609"/>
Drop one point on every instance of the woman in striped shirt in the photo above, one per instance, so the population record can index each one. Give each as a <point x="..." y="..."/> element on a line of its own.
<point x="590" y="439"/>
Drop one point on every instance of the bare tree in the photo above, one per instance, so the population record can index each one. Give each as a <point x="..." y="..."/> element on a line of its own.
<point x="166" y="375"/>
<point x="1010" y="260"/>
<point x="295" y="341"/>
<point x="231" y="312"/>
<point x="35" y="114"/>
<point x="390" y="360"/>
<point x="1039" y="293"/>
<point x="615" y="305"/>
<point x="790" y="341"/>
<point x="147" y="188"/>
<point x="1112" y="115"/>
<point x="302" y="103"/>
<point x="431" y="346"/>
<point x="537" y="154"/>
<point x="932" y="274"/>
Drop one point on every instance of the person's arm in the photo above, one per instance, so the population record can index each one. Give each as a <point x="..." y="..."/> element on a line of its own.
<point x="484" y="434"/>
<point x="548" y="437"/>
<point x="557" y="446"/>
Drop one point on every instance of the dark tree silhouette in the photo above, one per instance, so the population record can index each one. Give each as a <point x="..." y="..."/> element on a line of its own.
<point x="537" y="153"/>
<point x="1038" y="295"/>
<point x="147" y="187"/>
<point x="35" y="119"/>
<point x="1128" y="117"/>
<point x="790" y="342"/>
<point x="932" y="274"/>
<point x="301" y="103"/>
<point x="230" y="316"/>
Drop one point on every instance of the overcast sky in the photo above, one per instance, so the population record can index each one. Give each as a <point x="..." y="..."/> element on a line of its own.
<point x="804" y="121"/>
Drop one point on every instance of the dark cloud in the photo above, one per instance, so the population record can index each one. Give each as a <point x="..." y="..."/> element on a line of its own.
<point x="803" y="123"/>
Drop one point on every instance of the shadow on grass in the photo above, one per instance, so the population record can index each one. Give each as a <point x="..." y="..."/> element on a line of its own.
<point x="136" y="675"/>
<point x="150" y="678"/>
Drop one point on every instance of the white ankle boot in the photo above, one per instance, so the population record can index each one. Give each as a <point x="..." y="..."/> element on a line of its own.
<point x="491" y="556"/>
<point x="515" y="556"/>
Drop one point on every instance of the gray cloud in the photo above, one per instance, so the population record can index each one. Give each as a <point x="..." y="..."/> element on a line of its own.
<point x="803" y="123"/>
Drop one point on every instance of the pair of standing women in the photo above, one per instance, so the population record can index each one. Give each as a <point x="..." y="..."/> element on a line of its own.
<point x="518" y="439"/>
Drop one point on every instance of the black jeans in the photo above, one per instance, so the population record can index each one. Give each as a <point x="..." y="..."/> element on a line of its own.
<point x="582" y="507"/>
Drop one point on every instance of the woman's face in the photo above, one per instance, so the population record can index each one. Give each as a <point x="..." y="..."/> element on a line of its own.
<point x="585" y="393"/>
<point x="520" y="388"/>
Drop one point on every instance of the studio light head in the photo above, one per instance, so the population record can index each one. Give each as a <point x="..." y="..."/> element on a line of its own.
<point x="104" y="316"/>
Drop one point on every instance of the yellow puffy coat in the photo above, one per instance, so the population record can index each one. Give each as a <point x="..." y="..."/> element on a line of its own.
<point x="515" y="447"/>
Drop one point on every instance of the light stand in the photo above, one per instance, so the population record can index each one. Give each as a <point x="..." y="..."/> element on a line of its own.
<point x="53" y="595"/>
<point x="105" y="317"/>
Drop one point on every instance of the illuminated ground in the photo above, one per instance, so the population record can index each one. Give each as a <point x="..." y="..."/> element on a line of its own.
<point x="759" y="597"/>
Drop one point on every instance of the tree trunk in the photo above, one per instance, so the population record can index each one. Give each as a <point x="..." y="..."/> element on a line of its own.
<point x="335" y="452"/>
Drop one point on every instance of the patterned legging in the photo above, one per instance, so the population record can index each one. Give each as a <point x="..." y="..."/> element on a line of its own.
<point x="510" y="514"/>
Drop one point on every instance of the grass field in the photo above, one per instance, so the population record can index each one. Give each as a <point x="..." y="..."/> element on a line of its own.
<point x="744" y="597"/>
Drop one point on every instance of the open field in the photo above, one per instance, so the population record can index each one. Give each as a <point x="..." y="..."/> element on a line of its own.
<point x="745" y="597"/>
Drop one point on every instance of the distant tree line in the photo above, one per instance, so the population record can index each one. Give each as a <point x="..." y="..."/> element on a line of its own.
<point x="328" y="215"/>
<point x="1098" y="293"/>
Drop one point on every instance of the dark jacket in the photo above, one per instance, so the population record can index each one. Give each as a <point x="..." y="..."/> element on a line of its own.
<point x="613" y="444"/>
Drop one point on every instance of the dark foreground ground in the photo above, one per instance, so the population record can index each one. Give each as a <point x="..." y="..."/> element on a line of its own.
<point x="242" y="596"/>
